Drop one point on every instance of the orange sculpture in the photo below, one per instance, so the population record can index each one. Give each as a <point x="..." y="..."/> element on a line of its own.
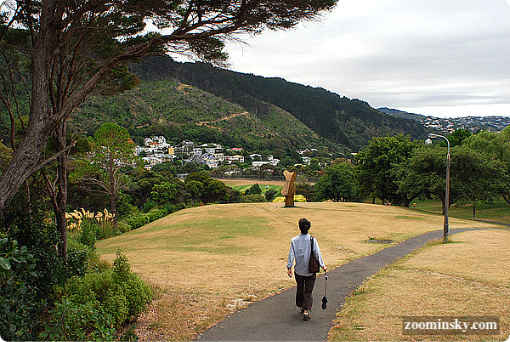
<point x="289" y="189"/>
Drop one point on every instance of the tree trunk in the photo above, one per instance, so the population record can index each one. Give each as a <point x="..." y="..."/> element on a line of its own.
<point x="405" y="202"/>
<point x="60" y="212"/>
<point x="40" y="124"/>
<point x="506" y="197"/>
<point x="22" y="165"/>
<point x="474" y="209"/>
<point x="112" y="190"/>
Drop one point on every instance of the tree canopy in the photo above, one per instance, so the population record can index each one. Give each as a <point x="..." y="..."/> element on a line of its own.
<point x="81" y="47"/>
<point x="375" y="175"/>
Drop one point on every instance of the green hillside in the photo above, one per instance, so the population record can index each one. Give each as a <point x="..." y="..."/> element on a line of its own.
<point x="179" y="111"/>
<point x="346" y="122"/>
<point x="198" y="102"/>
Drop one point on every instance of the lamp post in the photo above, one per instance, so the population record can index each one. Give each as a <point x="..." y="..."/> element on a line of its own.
<point x="447" y="190"/>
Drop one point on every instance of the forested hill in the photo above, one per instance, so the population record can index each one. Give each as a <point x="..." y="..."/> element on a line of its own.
<point x="344" y="121"/>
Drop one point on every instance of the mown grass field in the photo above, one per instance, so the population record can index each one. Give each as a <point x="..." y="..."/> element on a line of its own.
<point x="242" y="185"/>
<point x="208" y="261"/>
<point x="469" y="277"/>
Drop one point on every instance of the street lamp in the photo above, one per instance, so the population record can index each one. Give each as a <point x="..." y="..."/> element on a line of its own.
<point x="447" y="191"/>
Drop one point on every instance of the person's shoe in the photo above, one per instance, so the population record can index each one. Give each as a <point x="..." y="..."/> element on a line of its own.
<point x="306" y="316"/>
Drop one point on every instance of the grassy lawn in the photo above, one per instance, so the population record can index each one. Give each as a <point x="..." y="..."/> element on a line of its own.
<point x="263" y="187"/>
<point x="207" y="261"/>
<point x="469" y="277"/>
<point x="497" y="212"/>
<point x="244" y="184"/>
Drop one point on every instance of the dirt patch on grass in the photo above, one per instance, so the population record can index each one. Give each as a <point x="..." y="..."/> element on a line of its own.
<point x="209" y="261"/>
<point x="469" y="277"/>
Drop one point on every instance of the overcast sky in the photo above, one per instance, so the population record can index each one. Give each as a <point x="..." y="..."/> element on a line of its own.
<point x="432" y="57"/>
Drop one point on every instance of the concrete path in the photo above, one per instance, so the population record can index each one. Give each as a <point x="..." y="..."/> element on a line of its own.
<point x="278" y="319"/>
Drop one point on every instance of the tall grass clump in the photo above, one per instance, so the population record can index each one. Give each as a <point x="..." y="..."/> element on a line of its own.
<point x="88" y="226"/>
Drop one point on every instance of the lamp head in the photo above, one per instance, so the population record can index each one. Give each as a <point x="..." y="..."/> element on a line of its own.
<point x="428" y="141"/>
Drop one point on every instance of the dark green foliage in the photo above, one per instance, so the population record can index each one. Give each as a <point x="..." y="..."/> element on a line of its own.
<point x="92" y="306"/>
<point x="252" y="198"/>
<point x="25" y="289"/>
<point x="307" y="190"/>
<point x="254" y="190"/>
<point x="73" y="321"/>
<point x="165" y="167"/>
<point x="78" y="254"/>
<point x="136" y="221"/>
<point x="271" y="194"/>
<point x="88" y="233"/>
<point x="457" y="138"/>
<point x="213" y="190"/>
<point x="473" y="175"/>
<point x="374" y="172"/>
<point x="164" y="192"/>
<point x="29" y="229"/>
<point x="338" y="183"/>
<point x="18" y="300"/>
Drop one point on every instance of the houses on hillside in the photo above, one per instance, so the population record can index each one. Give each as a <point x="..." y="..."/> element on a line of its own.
<point x="156" y="150"/>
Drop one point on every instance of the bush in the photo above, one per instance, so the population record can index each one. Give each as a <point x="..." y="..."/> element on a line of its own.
<point x="254" y="190"/>
<point x="252" y="199"/>
<point x="72" y="321"/>
<point x="91" y="307"/>
<point x="297" y="198"/>
<point x="270" y="194"/>
<point x="136" y="221"/>
<point x="88" y="232"/>
<point x="123" y="227"/>
<point x="18" y="303"/>
<point x="78" y="254"/>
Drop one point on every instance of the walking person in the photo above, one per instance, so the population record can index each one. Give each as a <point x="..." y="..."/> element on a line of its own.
<point x="300" y="250"/>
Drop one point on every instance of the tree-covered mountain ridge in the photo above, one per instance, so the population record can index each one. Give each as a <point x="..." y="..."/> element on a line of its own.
<point x="350" y="123"/>
<point x="180" y="111"/>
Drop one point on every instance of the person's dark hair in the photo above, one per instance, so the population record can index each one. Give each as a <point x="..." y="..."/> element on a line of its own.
<point x="304" y="225"/>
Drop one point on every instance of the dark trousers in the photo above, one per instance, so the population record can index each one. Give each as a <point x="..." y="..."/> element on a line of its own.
<point x="305" y="286"/>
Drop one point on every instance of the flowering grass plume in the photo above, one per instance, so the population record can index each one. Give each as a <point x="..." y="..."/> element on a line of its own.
<point x="77" y="218"/>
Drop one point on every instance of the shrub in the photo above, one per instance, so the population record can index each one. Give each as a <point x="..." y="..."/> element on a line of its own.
<point x="270" y="194"/>
<point x="78" y="254"/>
<point x="297" y="198"/>
<point x="28" y="280"/>
<point x="18" y="303"/>
<point x="87" y="234"/>
<point x="252" y="199"/>
<point x="91" y="307"/>
<point x="254" y="190"/>
<point x="123" y="227"/>
<point x="72" y="321"/>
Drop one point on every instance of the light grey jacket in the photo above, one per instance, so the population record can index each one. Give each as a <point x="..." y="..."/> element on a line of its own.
<point x="300" y="248"/>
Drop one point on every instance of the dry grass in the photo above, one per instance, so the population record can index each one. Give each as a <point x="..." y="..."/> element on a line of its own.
<point x="209" y="261"/>
<point x="469" y="277"/>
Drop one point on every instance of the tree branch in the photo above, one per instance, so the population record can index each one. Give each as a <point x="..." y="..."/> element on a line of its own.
<point x="53" y="157"/>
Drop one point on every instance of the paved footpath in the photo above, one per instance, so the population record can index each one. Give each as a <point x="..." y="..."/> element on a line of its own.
<point x="278" y="319"/>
